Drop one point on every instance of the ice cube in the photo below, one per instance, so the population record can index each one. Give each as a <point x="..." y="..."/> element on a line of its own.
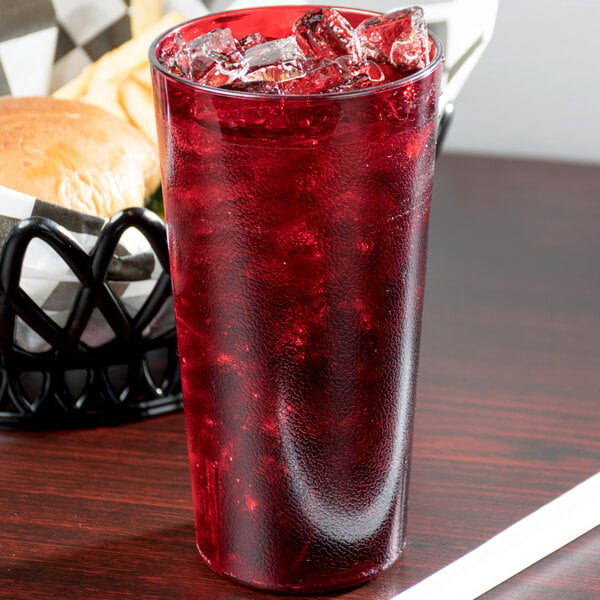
<point x="323" y="75"/>
<point x="174" y="55"/>
<point x="270" y="53"/>
<point x="218" y="75"/>
<point x="252" y="39"/>
<point x="323" y="33"/>
<point x="368" y="67"/>
<point x="218" y="44"/>
<point x="216" y="57"/>
<point x="399" y="38"/>
<point x="278" y="71"/>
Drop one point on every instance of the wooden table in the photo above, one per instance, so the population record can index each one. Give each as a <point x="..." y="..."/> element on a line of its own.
<point x="508" y="417"/>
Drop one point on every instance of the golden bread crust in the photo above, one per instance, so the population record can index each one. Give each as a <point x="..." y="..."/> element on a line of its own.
<point x="75" y="155"/>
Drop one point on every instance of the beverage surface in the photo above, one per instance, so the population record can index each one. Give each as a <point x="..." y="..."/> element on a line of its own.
<point x="324" y="53"/>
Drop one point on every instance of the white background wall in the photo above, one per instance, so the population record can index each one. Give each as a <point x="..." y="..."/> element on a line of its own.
<point x="536" y="90"/>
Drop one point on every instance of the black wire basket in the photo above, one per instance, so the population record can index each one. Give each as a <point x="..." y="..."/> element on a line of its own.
<point x="73" y="384"/>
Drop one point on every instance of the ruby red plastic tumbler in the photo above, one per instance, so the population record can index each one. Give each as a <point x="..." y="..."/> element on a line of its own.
<point x="297" y="230"/>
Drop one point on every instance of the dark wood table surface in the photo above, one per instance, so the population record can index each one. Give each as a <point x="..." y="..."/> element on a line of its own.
<point x="508" y="417"/>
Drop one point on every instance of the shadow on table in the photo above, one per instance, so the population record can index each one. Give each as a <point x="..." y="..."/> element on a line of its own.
<point x="163" y="563"/>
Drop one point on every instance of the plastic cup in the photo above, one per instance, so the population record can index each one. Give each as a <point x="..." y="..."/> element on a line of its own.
<point x="297" y="230"/>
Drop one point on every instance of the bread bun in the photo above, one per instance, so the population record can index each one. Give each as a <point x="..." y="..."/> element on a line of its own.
<point x="75" y="155"/>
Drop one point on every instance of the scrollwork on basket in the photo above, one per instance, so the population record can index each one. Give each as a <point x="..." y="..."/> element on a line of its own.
<point x="73" y="382"/>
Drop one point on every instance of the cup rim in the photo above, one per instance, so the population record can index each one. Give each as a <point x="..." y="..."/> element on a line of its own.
<point x="399" y="83"/>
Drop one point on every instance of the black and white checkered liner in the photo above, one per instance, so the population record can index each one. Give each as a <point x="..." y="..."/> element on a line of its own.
<point x="46" y="43"/>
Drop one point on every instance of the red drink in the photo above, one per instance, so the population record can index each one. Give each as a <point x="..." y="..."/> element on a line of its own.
<point x="297" y="228"/>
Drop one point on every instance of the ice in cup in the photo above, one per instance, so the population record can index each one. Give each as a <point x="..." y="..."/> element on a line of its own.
<point x="297" y="148"/>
